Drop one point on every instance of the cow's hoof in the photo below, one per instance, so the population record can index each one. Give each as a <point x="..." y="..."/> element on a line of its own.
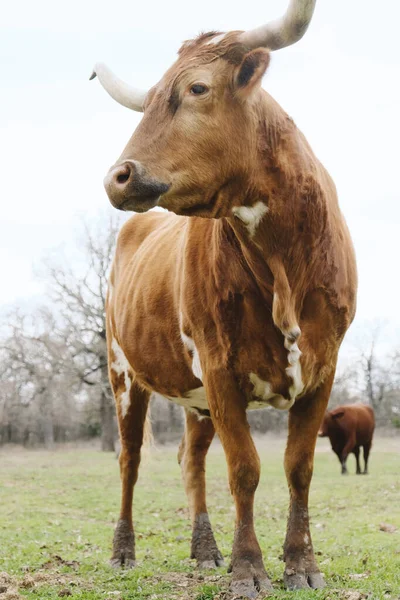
<point x="250" y="587"/>
<point x="123" y="546"/>
<point x="122" y="563"/>
<point x="316" y="580"/>
<point x="299" y="580"/>
<point x="204" y="547"/>
<point x="211" y="564"/>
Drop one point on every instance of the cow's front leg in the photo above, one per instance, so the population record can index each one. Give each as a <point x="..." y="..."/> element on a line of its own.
<point x="196" y="441"/>
<point x="304" y="419"/>
<point x="228" y="412"/>
<point x="132" y="421"/>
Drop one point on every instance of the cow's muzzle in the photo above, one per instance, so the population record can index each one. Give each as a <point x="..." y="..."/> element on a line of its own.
<point x="130" y="188"/>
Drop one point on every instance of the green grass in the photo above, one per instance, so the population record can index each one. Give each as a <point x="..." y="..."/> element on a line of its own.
<point x="58" y="511"/>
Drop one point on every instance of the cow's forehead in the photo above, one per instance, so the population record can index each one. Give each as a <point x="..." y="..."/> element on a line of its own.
<point x="200" y="40"/>
<point x="201" y="55"/>
<point x="208" y="47"/>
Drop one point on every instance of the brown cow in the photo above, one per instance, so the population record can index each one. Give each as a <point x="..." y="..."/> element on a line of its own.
<point x="349" y="427"/>
<point x="238" y="300"/>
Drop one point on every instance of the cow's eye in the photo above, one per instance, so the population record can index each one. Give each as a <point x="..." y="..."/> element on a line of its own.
<point x="198" y="89"/>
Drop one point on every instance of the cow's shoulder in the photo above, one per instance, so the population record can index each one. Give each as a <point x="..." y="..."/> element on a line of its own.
<point x="136" y="229"/>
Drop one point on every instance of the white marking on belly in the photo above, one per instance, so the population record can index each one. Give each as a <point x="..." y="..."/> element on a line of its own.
<point x="194" y="399"/>
<point x="251" y="215"/>
<point x="262" y="389"/>
<point x="122" y="366"/>
<point x="191" y="346"/>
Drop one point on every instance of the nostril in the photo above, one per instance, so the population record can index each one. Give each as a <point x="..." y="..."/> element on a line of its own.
<point x="123" y="174"/>
<point x="122" y="177"/>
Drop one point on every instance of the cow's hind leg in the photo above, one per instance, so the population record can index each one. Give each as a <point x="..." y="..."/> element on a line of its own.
<point x="132" y="407"/>
<point x="349" y="446"/>
<point x="366" y="449"/>
<point x="196" y="441"/>
<point x="305" y="416"/>
<point x="228" y="412"/>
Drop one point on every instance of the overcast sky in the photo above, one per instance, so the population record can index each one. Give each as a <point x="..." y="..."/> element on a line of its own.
<point x="59" y="133"/>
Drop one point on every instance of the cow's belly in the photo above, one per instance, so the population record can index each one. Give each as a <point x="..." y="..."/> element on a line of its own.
<point x="165" y="360"/>
<point x="197" y="400"/>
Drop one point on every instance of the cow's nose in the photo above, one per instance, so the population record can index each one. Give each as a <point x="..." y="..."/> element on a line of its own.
<point x="119" y="182"/>
<point x="123" y="173"/>
<point x="127" y="185"/>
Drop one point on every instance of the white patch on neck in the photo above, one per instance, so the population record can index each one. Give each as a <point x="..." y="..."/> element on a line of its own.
<point x="190" y="345"/>
<point x="217" y="39"/>
<point x="294" y="368"/>
<point x="263" y="390"/>
<point x="251" y="215"/>
<point x="121" y="365"/>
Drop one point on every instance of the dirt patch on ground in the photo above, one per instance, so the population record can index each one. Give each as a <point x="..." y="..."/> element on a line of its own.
<point x="186" y="585"/>
<point x="346" y="595"/>
<point x="10" y="585"/>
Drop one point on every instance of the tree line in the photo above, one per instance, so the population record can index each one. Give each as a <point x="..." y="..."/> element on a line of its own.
<point x="53" y="369"/>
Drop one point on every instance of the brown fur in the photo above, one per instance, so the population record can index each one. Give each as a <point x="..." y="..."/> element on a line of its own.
<point x="349" y="427"/>
<point x="237" y="296"/>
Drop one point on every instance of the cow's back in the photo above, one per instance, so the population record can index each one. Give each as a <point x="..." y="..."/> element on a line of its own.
<point x="365" y="423"/>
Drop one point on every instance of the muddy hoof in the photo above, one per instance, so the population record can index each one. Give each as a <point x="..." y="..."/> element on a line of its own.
<point x="211" y="564"/>
<point x="244" y="588"/>
<point x="251" y="587"/>
<point x="204" y="548"/>
<point x="122" y="563"/>
<point x="297" y="580"/>
<point x="123" y="546"/>
<point x="316" y="580"/>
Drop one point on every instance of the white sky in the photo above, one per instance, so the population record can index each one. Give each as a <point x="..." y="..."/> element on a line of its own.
<point x="59" y="133"/>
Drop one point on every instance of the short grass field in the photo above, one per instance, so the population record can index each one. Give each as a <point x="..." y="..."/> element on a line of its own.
<point x="58" y="511"/>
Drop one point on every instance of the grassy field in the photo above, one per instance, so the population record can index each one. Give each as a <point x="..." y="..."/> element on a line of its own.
<point x="58" y="510"/>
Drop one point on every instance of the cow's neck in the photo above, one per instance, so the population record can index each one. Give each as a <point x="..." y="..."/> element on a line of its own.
<point x="283" y="218"/>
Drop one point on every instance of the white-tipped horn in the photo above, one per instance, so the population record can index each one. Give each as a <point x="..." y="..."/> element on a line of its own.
<point x="282" y="32"/>
<point x="119" y="90"/>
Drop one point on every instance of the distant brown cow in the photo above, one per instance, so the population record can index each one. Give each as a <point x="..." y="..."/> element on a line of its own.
<point x="348" y="428"/>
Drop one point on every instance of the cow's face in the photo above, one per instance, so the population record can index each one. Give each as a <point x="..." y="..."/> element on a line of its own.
<point x="331" y="423"/>
<point x="195" y="149"/>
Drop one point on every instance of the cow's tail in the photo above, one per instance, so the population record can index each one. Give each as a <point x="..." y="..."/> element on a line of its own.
<point x="148" y="438"/>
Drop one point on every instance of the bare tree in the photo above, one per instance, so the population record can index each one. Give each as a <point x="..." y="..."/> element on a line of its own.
<point x="346" y="387"/>
<point x="375" y="375"/>
<point x="34" y="371"/>
<point x="79" y="293"/>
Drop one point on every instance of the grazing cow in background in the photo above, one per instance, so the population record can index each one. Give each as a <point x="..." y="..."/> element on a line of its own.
<point x="349" y="427"/>
<point x="240" y="299"/>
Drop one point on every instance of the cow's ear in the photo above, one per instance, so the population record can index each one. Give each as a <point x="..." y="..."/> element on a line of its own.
<point x="249" y="74"/>
<point x="338" y="415"/>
